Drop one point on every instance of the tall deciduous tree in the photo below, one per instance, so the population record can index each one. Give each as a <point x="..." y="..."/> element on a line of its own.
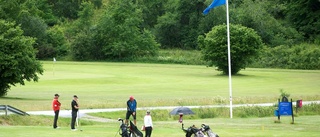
<point x="304" y="16"/>
<point x="17" y="57"/>
<point x="151" y="10"/>
<point x="245" y="45"/>
<point x="119" y="35"/>
<point x="182" y="20"/>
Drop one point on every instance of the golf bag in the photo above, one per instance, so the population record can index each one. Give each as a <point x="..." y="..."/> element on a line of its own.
<point x="134" y="131"/>
<point x="206" y="129"/>
<point x="192" y="130"/>
<point x="123" y="128"/>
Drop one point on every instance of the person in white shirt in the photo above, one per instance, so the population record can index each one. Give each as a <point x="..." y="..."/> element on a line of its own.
<point x="148" y="124"/>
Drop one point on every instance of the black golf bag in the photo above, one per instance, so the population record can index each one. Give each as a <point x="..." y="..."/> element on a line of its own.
<point x="134" y="131"/>
<point x="206" y="129"/>
<point x="192" y="130"/>
<point x="123" y="128"/>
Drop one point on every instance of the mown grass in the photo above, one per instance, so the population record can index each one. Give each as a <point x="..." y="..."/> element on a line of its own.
<point x="307" y="126"/>
<point x="108" y="85"/>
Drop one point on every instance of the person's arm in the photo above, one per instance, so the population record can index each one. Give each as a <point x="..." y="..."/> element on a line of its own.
<point x="53" y="104"/>
<point x="128" y="106"/>
<point x="76" y="105"/>
<point x="135" y="106"/>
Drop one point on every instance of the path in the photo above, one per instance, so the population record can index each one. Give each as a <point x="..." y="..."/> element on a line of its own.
<point x="83" y="113"/>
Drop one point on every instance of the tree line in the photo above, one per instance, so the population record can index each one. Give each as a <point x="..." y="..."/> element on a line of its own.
<point x="278" y="33"/>
<point x="111" y="29"/>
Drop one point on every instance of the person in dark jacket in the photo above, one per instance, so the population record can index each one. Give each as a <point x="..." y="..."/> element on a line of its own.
<point x="56" y="108"/>
<point x="131" y="110"/>
<point x="74" y="112"/>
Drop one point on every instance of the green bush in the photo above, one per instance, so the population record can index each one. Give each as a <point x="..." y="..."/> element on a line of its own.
<point x="303" y="56"/>
<point x="174" y="56"/>
<point x="246" y="44"/>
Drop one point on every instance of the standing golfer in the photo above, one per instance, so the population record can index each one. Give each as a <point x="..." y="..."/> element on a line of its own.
<point x="75" y="108"/>
<point x="131" y="110"/>
<point x="56" y="108"/>
<point x="148" y="124"/>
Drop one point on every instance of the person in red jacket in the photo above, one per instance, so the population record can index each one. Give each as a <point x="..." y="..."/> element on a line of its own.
<point x="56" y="108"/>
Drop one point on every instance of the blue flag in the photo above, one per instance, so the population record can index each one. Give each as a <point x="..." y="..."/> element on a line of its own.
<point x="215" y="3"/>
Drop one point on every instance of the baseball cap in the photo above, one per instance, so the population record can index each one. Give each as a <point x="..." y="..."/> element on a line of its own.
<point x="131" y="97"/>
<point x="75" y="96"/>
<point x="56" y="95"/>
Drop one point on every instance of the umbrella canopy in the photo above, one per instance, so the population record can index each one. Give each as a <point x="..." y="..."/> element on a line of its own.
<point x="181" y="110"/>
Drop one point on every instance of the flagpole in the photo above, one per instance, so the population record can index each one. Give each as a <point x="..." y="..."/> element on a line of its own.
<point x="229" y="58"/>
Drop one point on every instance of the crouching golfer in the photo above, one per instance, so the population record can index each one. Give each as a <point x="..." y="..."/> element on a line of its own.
<point x="74" y="112"/>
<point x="131" y="110"/>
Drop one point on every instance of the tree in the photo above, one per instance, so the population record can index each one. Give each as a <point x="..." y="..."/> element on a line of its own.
<point x="151" y="10"/>
<point x="245" y="45"/>
<point x="82" y="45"/>
<point x="255" y="15"/>
<point x="304" y="16"/>
<point x="17" y="57"/>
<point x="179" y="26"/>
<point x="119" y="36"/>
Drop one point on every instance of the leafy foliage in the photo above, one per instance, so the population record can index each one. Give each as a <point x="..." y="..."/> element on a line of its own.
<point x="255" y="15"/>
<point x="82" y="45"/>
<point x="151" y="10"/>
<point x="245" y="45"/>
<point x="118" y="33"/>
<point x="304" y="16"/>
<point x="180" y="28"/>
<point x="303" y="56"/>
<point x="17" y="57"/>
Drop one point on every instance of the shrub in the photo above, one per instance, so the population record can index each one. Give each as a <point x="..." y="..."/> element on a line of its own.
<point x="246" y="44"/>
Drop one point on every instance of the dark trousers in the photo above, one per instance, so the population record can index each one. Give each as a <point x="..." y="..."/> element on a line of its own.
<point x="73" y="119"/>
<point x="56" y="115"/>
<point x="148" y="131"/>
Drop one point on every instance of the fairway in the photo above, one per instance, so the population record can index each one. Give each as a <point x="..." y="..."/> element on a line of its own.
<point x="108" y="85"/>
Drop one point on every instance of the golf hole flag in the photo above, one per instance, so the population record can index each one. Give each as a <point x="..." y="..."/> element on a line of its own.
<point x="215" y="3"/>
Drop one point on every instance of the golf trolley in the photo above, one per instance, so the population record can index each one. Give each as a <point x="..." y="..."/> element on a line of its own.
<point x="131" y="131"/>
<point x="204" y="131"/>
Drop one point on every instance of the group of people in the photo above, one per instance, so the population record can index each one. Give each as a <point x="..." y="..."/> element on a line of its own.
<point x="131" y="111"/>
<point x="74" y="111"/>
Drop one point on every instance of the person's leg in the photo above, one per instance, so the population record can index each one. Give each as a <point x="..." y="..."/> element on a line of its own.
<point x="56" y="115"/>
<point x="127" y="117"/>
<point x="73" y="120"/>
<point x="135" y="118"/>
<point x="148" y="131"/>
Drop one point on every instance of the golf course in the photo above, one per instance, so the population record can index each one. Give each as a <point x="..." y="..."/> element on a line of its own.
<point x="101" y="85"/>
